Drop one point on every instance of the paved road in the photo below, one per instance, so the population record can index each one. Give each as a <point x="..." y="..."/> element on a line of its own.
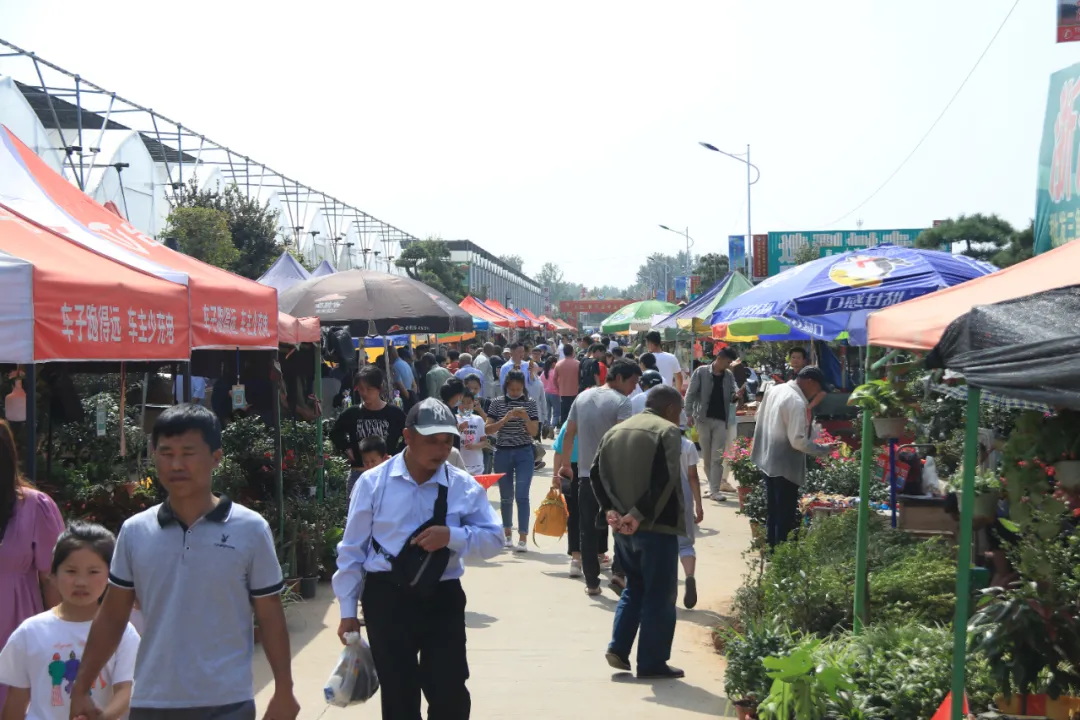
<point x="536" y="641"/>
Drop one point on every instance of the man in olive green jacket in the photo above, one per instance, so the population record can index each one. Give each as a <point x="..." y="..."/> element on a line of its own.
<point x="636" y="477"/>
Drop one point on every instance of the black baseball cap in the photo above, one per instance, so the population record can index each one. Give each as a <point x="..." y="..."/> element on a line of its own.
<point x="431" y="417"/>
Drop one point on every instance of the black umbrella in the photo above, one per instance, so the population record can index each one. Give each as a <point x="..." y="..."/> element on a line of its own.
<point x="374" y="303"/>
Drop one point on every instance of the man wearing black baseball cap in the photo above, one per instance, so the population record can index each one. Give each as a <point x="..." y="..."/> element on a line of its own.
<point x="402" y="515"/>
<point x="781" y="443"/>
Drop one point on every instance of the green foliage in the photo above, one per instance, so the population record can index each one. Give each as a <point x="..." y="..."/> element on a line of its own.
<point x="742" y="467"/>
<point x="712" y="267"/>
<point x="807" y="253"/>
<point x="984" y="237"/>
<point x="203" y="233"/>
<point x="880" y="398"/>
<point x="514" y="261"/>
<point x="1031" y="645"/>
<point x="807" y="687"/>
<point x="252" y="225"/>
<point x="919" y="586"/>
<point x="429" y="262"/>
<point x="904" y="670"/>
<point x="986" y="481"/>
<point x="745" y="676"/>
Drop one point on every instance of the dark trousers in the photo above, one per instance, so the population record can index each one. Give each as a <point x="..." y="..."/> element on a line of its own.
<point x="781" y="504"/>
<point x="573" y="521"/>
<point x="593" y="539"/>
<point x="566" y="401"/>
<point x="235" y="711"/>
<point x="400" y="628"/>
<point x="646" y="608"/>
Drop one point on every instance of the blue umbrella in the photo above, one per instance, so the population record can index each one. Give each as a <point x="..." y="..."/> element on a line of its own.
<point x="826" y="297"/>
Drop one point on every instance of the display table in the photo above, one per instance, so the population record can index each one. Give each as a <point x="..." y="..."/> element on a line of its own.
<point x="925" y="516"/>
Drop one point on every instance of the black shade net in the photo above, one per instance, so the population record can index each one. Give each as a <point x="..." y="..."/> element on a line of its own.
<point x="1028" y="347"/>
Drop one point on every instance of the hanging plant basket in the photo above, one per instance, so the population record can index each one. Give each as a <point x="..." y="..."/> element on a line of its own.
<point x="890" y="428"/>
<point x="1067" y="473"/>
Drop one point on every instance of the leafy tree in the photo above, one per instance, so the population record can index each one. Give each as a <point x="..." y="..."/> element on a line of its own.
<point x="711" y="267"/>
<point x="807" y="253"/>
<point x="253" y="226"/>
<point x="203" y="233"/>
<point x="429" y="262"/>
<point x="983" y="236"/>
<point x="514" y="261"/>
<point x="1021" y="247"/>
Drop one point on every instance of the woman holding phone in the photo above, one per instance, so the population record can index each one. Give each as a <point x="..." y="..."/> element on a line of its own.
<point x="514" y="420"/>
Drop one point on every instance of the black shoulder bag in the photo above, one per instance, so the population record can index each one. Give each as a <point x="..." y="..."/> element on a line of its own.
<point x="414" y="569"/>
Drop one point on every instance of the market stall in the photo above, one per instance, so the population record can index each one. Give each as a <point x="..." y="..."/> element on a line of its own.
<point x="621" y="320"/>
<point x="696" y="317"/>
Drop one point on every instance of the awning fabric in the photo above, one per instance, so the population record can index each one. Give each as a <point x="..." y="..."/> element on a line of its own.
<point x="293" y="331"/>
<point x="60" y="301"/>
<point x="512" y="319"/>
<point x="919" y="324"/>
<point x="227" y="311"/>
<point x="480" y="310"/>
<point x="697" y="316"/>
<point x="284" y="273"/>
<point x="536" y="321"/>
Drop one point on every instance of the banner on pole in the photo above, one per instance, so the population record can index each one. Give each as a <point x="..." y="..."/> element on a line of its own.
<point x="737" y="252"/>
<point x="783" y="246"/>
<point x="547" y="300"/>
<point x="682" y="288"/>
<point x="1068" y="21"/>
<point x="1057" y="197"/>
<point x="761" y="257"/>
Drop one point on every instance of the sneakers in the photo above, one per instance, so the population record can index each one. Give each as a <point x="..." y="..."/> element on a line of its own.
<point x="690" y="596"/>
<point x="508" y="544"/>
<point x="575" y="568"/>
<point x="719" y="497"/>
<point x="605" y="562"/>
<point x="539" y="465"/>
<point x="521" y="547"/>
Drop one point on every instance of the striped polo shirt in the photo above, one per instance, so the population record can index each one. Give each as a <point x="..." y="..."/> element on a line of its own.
<point x="513" y="433"/>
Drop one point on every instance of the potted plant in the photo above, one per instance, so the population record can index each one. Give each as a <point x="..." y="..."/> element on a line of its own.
<point x="884" y="402"/>
<point x="805" y="687"/>
<point x="987" y="490"/>
<point x="1060" y="445"/>
<point x="1032" y="646"/>
<point x="745" y="678"/>
<point x="743" y="469"/>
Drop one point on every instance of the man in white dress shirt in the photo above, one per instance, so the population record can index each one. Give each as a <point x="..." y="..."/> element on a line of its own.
<point x="389" y="503"/>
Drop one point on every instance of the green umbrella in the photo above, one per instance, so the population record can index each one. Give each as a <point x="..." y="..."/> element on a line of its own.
<point x="638" y="312"/>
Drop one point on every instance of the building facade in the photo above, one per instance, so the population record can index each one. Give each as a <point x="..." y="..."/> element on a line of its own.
<point x="490" y="277"/>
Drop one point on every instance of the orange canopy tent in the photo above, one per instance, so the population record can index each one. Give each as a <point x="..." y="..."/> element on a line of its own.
<point x="537" y="321"/>
<point x="227" y="311"/>
<point x="918" y="324"/>
<point x="293" y="331"/>
<point x="511" y="318"/>
<point x="60" y="301"/>
<point x="481" y="310"/>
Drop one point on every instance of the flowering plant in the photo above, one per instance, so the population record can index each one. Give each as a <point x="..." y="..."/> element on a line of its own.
<point x="742" y="468"/>
<point x="986" y="482"/>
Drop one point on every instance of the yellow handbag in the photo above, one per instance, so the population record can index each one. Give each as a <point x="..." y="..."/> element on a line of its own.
<point x="551" y="516"/>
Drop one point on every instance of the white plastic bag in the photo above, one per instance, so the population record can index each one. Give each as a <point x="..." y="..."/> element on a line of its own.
<point x="353" y="680"/>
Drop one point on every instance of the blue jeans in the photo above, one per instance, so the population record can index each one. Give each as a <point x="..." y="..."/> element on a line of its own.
<point x="515" y="464"/>
<point x="647" y="605"/>
<point x="554" y="405"/>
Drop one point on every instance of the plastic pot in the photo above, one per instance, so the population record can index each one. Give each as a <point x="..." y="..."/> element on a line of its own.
<point x="308" y="587"/>
<point x="889" y="428"/>
<point x="986" y="504"/>
<point x="746" y="709"/>
<point x="1067" y="473"/>
<point x="744" y="492"/>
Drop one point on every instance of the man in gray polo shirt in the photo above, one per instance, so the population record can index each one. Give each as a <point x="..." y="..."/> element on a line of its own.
<point x="198" y="563"/>
<point x="594" y="412"/>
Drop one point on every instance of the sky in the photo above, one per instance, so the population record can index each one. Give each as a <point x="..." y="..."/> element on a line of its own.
<point x="568" y="131"/>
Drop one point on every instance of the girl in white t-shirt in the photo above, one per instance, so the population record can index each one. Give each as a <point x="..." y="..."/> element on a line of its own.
<point x="41" y="659"/>
<point x="473" y="435"/>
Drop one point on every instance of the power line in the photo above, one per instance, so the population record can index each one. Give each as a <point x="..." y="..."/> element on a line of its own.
<point x="935" y="123"/>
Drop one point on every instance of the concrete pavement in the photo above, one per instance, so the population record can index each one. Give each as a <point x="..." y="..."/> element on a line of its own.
<point x="537" y="642"/>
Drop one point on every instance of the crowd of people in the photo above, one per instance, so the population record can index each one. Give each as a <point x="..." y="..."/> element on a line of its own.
<point x="620" y="421"/>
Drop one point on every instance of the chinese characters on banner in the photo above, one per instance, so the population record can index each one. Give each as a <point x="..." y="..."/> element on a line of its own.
<point x="547" y="300"/>
<point x="93" y="323"/>
<point x="1068" y="21"/>
<point x="230" y="321"/>
<point x="784" y="246"/>
<point x="1057" y="197"/>
<point x="761" y="257"/>
<point x="881" y="470"/>
<point x="737" y="252"/>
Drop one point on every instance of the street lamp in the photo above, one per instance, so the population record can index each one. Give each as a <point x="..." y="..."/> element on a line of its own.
<point x="689" y="244"/>
<point x="749" y="182"/>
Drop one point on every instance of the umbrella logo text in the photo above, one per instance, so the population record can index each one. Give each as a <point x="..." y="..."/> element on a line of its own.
<point x="328" y="303"/>
<point x="865" y="270"/>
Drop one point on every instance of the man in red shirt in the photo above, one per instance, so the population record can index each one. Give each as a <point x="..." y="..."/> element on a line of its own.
<point x="566" y="377"/>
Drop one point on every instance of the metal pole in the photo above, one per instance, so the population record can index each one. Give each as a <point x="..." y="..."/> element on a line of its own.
<point x="277" y="463"/>
<point x="861" y="615"/>
<point x="963" y="551"/>
<point x="892" y="478"/>
<point x="749" y="231"/>
<point x="688" y="270"/>
<point x="320" y="472"/>
<point x="187" y="382"/>
<point x="30" y="387"/>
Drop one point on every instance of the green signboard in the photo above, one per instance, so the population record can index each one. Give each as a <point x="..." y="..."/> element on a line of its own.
<point x="1057" y="200"/>
<point x="784" y="246"/>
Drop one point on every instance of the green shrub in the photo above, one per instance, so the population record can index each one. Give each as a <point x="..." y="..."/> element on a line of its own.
<point x="745" y="676"/>
<point x="919" y="586"/>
